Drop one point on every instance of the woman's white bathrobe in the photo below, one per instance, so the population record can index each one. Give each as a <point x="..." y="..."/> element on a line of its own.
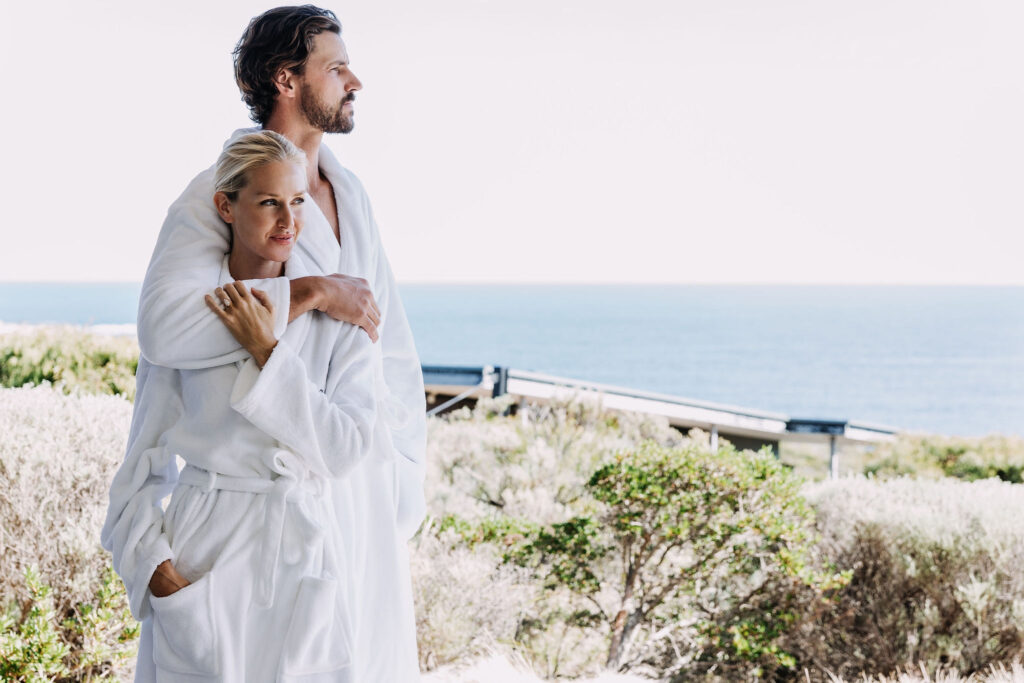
<point x="375" y="508"/>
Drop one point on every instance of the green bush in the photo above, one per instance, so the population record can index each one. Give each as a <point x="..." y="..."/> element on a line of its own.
<point x="932" y="456"/>
<point x="493" y="478"/>
<point x="724" y="538"/>
<point x="88" y="644"/>
<point x="71" y="358"/>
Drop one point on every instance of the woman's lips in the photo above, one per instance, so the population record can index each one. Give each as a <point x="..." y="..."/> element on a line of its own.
<point x="283" y="239"/>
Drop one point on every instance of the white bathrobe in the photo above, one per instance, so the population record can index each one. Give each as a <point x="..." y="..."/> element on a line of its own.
<point x="375" y="503"/>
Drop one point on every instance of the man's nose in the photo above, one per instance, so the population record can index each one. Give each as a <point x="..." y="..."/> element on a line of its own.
<point x="353" y="84"/>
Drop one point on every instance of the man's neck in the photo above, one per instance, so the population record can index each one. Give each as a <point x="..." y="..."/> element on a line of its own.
<point x="305" y="138"/>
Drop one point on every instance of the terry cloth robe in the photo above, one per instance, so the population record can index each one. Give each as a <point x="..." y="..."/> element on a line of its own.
<point x="251" y="522"/>
<point x="269" y="559"/>
<point x="177" y="330"/>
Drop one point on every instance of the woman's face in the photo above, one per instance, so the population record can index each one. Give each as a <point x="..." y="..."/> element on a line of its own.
<point x="266" y="217"/>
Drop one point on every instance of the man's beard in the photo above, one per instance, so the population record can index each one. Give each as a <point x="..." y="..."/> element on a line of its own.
<point x="322" y="118"/>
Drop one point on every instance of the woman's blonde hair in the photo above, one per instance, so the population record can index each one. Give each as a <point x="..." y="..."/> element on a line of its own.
<point x="250" y="151"/>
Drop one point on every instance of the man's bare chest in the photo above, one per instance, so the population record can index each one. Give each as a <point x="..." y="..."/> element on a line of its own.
<point x="324" y="198"/>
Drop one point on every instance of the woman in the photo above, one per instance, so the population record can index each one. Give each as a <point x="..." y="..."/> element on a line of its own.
<point x="264" y="578"/>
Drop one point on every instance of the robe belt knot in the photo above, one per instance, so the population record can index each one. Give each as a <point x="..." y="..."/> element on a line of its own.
<point x="287" y="500"/>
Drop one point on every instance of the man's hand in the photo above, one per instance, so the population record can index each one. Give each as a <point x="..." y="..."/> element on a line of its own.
<point x="342" y="297"/>
<point x="248" y="316"/>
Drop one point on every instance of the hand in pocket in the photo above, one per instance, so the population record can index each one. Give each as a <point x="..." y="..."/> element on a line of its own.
<point x="166" y="580"/>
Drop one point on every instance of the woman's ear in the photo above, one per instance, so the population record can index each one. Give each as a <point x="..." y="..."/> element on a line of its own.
<point x="223" y="204"/>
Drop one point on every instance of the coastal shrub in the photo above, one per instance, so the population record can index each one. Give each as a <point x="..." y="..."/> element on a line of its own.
<point x="491" y="478"/>
<point x="59" y="594"/>
<point x="69" y="357"/>
<point x="925" y="558"/>
<point x="555" y="469"/>
<point x="937" y="579"/>
<point x="87" y="645"/>
<point x="933" y="456"/>
<point x="690" y="560"/>
<point x="467" y="601"/>
<point x="531" y="466"/>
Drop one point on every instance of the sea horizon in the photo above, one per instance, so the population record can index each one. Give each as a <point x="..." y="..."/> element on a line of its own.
<point x="946" y="359"/>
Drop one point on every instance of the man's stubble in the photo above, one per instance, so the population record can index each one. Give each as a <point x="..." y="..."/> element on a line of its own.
<point x="323" y="118"/>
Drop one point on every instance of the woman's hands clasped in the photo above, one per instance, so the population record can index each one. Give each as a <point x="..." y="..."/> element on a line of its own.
<point x="249" y="316"/>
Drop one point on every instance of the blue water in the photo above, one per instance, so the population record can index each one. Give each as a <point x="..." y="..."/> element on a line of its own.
<point x="940" y="359"/>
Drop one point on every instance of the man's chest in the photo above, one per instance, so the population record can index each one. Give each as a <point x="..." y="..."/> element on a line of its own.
<point x="325" y="199"/>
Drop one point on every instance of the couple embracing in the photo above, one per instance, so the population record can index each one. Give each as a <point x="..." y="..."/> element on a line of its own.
<point x="277" y="362"/>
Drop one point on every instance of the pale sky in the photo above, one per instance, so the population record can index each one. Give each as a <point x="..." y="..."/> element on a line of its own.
<point x="867" y="141"/>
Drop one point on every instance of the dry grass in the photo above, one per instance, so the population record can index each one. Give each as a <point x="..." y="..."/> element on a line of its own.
<point x="999" y="673"/>
<point x="58" y="455"/>
<point x="498" y="668"/>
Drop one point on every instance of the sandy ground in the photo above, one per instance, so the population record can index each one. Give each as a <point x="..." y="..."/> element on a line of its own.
<point x="497" y="669"/>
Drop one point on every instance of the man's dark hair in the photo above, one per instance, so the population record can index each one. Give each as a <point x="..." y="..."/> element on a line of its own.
<point x="280" y="38"/>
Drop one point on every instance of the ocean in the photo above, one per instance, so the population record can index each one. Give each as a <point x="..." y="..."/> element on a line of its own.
<point x="937" y="359"/>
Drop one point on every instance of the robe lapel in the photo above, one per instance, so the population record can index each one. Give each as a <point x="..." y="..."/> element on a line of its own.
<point x="295" y="266"/>
<point x="354" y="257"/>
<point x="317" y="243"/>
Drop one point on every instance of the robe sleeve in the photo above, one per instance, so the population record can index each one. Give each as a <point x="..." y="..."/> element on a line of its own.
<point x="133" y="530"/>
<point x="331" y="429"/>
<point x="175" y="327"/>
<point x="403" y="376"/>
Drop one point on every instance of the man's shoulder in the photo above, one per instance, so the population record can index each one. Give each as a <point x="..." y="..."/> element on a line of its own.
<point x="200" y="188"/>
<point x="338" y="173"/>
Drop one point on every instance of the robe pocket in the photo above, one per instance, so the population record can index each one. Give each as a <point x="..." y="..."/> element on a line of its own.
<point x="184" y="637"/>
<point x="317" y="641"/>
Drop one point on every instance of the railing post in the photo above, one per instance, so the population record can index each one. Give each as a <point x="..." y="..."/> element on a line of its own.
<point x="833" y="458"/>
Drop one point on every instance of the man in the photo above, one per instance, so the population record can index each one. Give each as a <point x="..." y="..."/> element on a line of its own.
<point x="292" y="68"/>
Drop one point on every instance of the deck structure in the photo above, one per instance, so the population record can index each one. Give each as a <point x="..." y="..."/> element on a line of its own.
<point x="451" y="386"/>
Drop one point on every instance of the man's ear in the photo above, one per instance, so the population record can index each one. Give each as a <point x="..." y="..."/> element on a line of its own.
<point x="223" y="204"/>
<point x="284" y="80"/>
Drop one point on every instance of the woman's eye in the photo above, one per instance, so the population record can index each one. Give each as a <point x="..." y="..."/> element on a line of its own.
<point x="269" y="202"/>
<point x="299" y="200"/>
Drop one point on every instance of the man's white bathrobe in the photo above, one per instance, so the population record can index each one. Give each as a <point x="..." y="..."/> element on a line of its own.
<point x="374" y="505"/>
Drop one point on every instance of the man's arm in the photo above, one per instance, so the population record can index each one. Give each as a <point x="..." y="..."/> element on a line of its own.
<point x="175" y="327"/>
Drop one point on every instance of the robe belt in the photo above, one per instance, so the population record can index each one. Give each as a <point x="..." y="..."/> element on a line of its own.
<point x="291" y="486"/>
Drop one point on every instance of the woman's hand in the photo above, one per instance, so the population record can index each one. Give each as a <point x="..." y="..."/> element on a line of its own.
<point x="166" y="580"/>
<point x="248" y="316"/>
